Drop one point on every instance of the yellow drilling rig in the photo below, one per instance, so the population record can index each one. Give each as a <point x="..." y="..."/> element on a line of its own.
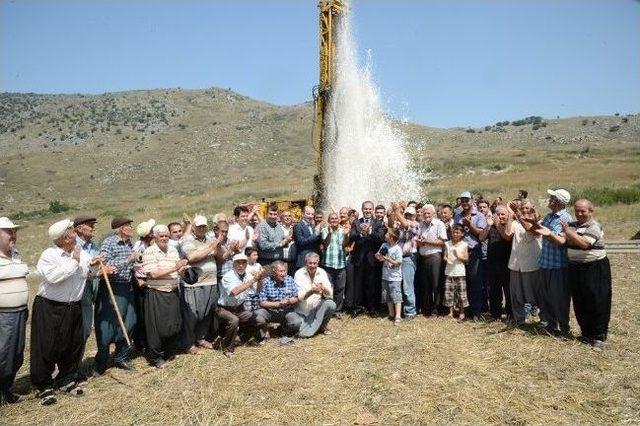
<point x="330" y="13"/>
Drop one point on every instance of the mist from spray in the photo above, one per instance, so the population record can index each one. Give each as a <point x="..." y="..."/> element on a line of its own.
<point x="364" y="153"/>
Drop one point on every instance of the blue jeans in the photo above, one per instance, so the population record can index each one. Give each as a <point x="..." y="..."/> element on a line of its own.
<point x="408" y="288"/>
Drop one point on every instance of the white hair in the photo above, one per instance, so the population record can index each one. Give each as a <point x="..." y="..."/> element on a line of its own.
<point x="311" y="255"/>
<point x="158" y="229"/>
<point x="428" y="208"/>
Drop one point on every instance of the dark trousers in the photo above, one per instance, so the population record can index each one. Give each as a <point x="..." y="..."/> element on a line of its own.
<point x="13" y="330"/>
<point x="555" y="299"/>
<point x="288" y="319"/>
<point x="349" y="291"/>
<point x="230" y="319"/>
<point x="338" y="279"/>
<point x="56" y="340"/>
<point x="474" y="282"/>
<point x="139" y="331"/>
<point x="198" y="309"/>
<point x="483" y="277"/>
<point x="432" y="291"/>
<point x="498" y="278"/>
<point x="163" y="322"/>
<point x="362" y="293"/>
<point x="591" y="291"/>
<point x="107" y="327"/>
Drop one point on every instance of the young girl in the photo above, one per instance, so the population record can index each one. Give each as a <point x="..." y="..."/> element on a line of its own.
<point x="391" y="255"/>
<point x="455" y="256"/>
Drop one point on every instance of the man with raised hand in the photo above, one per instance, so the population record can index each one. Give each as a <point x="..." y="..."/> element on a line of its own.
<point x="56" y="326"/>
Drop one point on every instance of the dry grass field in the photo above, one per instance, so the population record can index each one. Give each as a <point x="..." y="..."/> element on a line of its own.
<point x="370" y="372"/>
<point x="161" y="153"/>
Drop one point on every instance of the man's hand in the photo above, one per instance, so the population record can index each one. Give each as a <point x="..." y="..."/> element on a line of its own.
<point x="466" y="221"/>
<point x="134" y="257"/>
<point x="186" y="219"/>
<point x="96" y="260"/>
<point x="544" y="231"/>
<point x="75" y="254"/>
<point x="181" y="265"/>
<point x="565" y="225"/>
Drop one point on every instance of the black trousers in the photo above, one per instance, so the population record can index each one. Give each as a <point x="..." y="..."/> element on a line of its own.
<point x="338" y="278"/>
<point x="56" y="340"/>
<point x="498" y="279"/>
<point x="13" y="330"/>
<point x="163" y="322"/>
<point x="140" y="330"/>
<point x="432" y="291"/>
<point x="591" y="291"/>
<point x="362" y="294"/>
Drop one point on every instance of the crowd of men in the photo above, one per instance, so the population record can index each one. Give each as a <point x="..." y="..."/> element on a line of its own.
<point x="193" y="286"/>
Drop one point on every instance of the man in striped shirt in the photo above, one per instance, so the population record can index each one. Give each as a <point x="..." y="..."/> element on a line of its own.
<point x="14" y="296"/>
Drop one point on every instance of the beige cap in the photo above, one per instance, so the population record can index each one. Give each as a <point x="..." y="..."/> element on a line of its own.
<point x="5" y="223"/>
<point x="200" y="220"/>
<point x="145" y="228"/>
<point x="240" y="256"/>
<point x="58" y="229"/>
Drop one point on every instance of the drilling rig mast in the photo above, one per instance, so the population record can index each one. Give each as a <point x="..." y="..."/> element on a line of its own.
<point x="330" y="12"/>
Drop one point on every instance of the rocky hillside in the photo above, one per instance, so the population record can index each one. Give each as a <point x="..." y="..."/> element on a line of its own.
<point x="96" y="150"/>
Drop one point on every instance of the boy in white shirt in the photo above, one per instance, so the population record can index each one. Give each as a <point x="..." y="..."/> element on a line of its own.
<point x="456" y="254"/>
<point x="390" y="254"/>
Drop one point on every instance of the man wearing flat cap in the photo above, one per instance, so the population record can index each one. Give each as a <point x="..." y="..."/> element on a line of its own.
<point x="56" y="324"/>
<point x="14" y="296"/>
<point x="85" y="227"/>
<point x="119" y="258"/>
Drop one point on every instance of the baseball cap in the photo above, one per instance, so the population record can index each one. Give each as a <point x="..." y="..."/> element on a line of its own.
<point x="5" y="223"/>
<point x="561" y="194"/>
<point x="200" y="220"/>
<point x="465" y="194"/>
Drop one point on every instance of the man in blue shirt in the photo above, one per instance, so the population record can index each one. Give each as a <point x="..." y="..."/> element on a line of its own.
<point x="278" y="300"/>
<point x="555" y="294"/>
<point x="473" y="223"/>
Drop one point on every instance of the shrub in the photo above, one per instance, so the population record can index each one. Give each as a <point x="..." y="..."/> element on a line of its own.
<point x="614" y="128"/>
<point x="606" y="196"/>
<point x="585" y="122"/>
<point x="58" y="207"/>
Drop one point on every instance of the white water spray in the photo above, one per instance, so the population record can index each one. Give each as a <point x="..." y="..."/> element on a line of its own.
<point x="364" y="153"/>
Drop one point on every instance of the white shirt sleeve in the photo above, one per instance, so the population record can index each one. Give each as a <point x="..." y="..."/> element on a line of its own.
<point x="56" y="267"/>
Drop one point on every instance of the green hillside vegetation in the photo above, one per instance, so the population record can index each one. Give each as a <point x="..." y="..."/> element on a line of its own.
<point x="157" y="153"/>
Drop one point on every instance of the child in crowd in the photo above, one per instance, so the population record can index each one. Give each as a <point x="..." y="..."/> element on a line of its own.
<point x="390" y="254"/>
<point x="252" y="302"/>
<point x="455" y="256"/>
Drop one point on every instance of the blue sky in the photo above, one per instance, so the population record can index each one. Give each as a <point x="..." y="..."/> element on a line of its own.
<point x="441" y="63"/>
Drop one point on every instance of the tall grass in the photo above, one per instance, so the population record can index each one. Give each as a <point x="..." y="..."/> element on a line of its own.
<point x="607" y="196"/>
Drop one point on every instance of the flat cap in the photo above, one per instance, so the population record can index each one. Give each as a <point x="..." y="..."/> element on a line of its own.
<point x="79" y="220"/>
<point x="117" y="222"/>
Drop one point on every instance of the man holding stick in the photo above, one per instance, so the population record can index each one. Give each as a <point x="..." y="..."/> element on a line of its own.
<point x="119" y="258"/>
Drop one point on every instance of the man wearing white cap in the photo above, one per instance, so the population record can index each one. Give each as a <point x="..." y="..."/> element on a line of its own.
<point x="14" y="296"/>
<point x="555" y="294"/>
<point x="236" y="287"/>
<point x="144" y="230"/>
<point x="56" y="325"/>
<point x="199" y="298"/>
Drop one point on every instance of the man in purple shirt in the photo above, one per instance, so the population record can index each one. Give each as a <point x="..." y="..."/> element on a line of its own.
<point x="473" y="222"/>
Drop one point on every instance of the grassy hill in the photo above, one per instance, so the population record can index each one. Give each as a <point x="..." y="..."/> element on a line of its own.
<point x="157" y="153"/>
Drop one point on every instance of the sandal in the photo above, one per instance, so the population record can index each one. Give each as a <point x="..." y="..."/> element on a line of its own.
<point x="47" y="397"/>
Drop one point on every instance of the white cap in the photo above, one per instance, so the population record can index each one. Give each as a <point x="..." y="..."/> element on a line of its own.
<point x="145" y="228"/>
<point x="5" y="223"/>
<point x="58" y="229"/>
<point x="561" y="194"/>
<point x="410" y="210"/>
<point x="199" y="220"/>
<point x="240" y="256"/>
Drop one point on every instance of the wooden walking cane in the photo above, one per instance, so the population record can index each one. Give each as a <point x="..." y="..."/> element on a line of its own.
<point x="113" y="302"/>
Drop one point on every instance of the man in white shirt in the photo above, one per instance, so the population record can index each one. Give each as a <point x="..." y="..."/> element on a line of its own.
<point x="237" y="285"/>
<point x="14" y="296"/>
<point x="241" y="231"/>
<point x="315" y="305"/>
<point x="431" y="237"/>
<point x="56" y="325"/>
